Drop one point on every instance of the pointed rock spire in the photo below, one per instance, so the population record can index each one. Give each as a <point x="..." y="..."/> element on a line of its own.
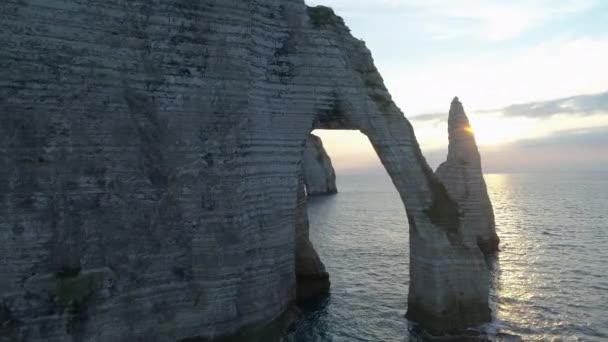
<point x="463" y="147"/>
<point x="463" y="177"/>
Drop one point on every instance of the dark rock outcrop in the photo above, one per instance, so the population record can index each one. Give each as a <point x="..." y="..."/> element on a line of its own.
<point x="150" y="154"/>
<point x="463" y="178"/>
<point x="319" y="174"/>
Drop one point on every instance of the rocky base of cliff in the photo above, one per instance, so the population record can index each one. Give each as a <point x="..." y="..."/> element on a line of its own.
<point x="462" y="299"/>
<point x="452" y="321"/>
<point x="312" y="286"/>
<point x="259" y="332"/>
<point x="311" y="278"/>
<point x="488" y="245"/>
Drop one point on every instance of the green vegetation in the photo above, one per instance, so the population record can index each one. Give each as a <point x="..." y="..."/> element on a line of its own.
<point x="369" y="83"/>
<point x="321" y="16"/>
<point x="382" y="102"/>
<point x="72" y="289"/>
<point x="68" y="272"/>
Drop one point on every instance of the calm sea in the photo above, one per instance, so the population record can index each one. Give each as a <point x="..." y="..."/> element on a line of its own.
<point x="549" y="281"/>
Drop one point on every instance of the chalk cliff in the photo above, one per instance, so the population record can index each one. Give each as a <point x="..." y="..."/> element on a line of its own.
<point x="319" y="174"/>
<point x="311" y="277"/>
<point x="463" y="178"/>
<point x="150" y="154"/>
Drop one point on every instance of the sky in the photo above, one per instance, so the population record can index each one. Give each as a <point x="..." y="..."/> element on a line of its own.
<point x="532" y="76"/>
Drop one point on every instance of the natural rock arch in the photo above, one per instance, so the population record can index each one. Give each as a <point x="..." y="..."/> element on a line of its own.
<point x="448" y="276"/>
<point x="151" y="155"/>
<point x="464" y="181"/>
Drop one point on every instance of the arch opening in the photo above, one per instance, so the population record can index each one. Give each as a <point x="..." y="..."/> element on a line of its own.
<point x="359" y="237"/>
<point x="448" y="287"/>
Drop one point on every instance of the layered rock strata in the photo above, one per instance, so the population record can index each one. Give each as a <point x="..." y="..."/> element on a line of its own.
<point x="463" y="178"/>
<point x="150" y="154"/>
<point x="311" y="277"/>
<point x="319" y="174"/>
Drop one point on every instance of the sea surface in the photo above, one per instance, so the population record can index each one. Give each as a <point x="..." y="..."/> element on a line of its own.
<point x="549" y="281"/>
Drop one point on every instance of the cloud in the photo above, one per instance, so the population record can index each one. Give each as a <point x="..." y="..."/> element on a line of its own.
<point x="569" y="133"/>
<point x="492" y="20"/>
<point x="570" y="150"/>
<point x="579" y="105"/>
<point x="577" y="149"/>
<point x="437" y="117"/>
<point x="553" y="69"/>
<point x="492" y="54"/>
<point x="580" y="137"/>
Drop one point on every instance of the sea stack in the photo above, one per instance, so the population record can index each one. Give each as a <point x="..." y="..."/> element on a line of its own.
<point x="463" y="177"/>
<point x="319" y="174"/>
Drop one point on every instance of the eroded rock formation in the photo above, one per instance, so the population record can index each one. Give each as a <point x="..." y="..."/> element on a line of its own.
<point x="311" y="277"/>
<point x="463" y="178"/>
<point x="150" y="155"/>
<point x="319" y="174"/>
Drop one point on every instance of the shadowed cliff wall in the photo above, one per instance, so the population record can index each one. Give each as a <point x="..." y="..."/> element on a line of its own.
<point x="150" y="154"/>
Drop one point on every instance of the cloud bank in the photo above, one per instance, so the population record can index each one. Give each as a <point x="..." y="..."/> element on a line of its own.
<point x="580" y="105"/>
<point x="566" y="134"/>
<point x="492" y="20"/>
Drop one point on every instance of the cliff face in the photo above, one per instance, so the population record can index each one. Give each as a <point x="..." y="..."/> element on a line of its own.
<point x="150" y="156"/>
<point x="311" y="278"/>
<point x="463" y="178"/>
<point x="319" y="174"/>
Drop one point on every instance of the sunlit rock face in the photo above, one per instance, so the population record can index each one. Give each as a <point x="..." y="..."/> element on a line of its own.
<point x="463" y="178"/>
<point x="150" y="155"/>
<point x="319" y="174"/>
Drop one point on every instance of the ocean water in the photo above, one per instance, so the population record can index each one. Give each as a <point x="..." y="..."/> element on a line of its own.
<point x="549" y="281"/>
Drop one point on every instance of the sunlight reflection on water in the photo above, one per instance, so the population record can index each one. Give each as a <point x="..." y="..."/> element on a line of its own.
<point x="552" y="231"/>
<point x="549" y="280"/>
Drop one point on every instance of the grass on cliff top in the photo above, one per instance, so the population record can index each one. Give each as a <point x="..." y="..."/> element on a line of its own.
<point x="322" y="16"/>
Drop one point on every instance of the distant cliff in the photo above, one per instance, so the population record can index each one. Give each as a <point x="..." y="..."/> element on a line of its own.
<point x="319" y="174"/>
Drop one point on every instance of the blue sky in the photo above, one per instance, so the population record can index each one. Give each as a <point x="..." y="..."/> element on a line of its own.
<point x="493" y="55"/>
<point x="413" y="38"/>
